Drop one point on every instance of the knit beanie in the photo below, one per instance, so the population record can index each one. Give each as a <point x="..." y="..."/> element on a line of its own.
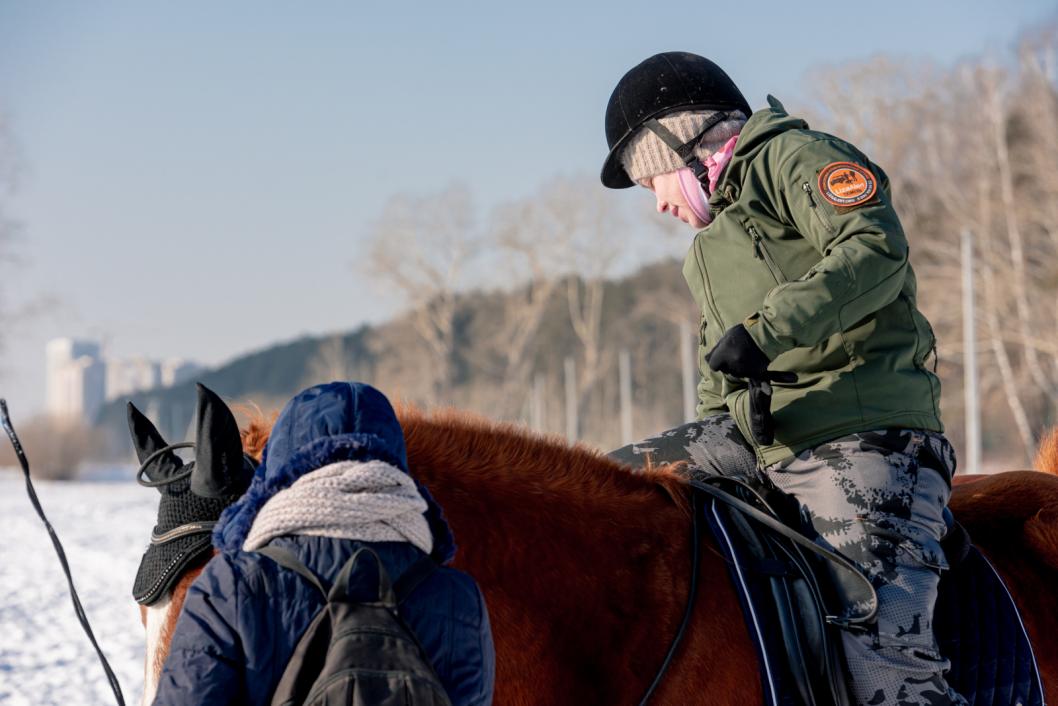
<point x="647" y="156"/>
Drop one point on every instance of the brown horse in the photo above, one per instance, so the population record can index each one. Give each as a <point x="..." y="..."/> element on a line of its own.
<point x="585" y="564"/>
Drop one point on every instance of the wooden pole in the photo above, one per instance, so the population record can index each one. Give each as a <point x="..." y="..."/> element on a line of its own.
<point x="536" y="403"/>
<point x="572" y="422"/>
<point x="624" y="370"/>
<point x="969" y="341"/>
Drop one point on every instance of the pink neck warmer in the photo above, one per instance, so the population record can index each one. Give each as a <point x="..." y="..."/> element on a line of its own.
<point x="692" y="190"/>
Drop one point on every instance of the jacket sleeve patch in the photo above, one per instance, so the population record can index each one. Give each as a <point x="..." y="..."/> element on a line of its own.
<point x="845" y="184"/>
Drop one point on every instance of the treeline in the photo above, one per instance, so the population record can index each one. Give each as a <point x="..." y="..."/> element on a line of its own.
<point x="501" y="311"/>
<point x="973" y="148"/>
<point x="481" y="370"/>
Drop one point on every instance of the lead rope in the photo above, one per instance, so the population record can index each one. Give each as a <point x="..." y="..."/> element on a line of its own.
<point x="5" y="420"/>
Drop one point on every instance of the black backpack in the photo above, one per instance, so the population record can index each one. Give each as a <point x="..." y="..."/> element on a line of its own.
<point x="358" y="653"/>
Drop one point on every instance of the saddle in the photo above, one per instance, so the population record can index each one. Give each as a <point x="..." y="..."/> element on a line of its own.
<point x="785" y="590"/>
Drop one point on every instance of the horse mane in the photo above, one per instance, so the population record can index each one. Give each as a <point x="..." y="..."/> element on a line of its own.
<point x="1047" y="456"/>
<point x="497" y="442"/>
<point x="485" y="450"/>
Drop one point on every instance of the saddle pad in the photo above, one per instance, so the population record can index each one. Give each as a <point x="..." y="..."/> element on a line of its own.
<point x="756" y="601"/>
<point x="979" y="630"/>
<point x="976" y="624"/>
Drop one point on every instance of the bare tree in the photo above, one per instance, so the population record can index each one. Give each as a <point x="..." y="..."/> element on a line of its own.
<point x="1036" y="154"/>
<point x="333" y="361"/>
<point x="972" y="149"/>
<point x="422" y="249"/>
<point x="56" y="448"/>
<point x="557" y="246"/>
<point x="591" y="246"/>
<point x="524" y="236"/>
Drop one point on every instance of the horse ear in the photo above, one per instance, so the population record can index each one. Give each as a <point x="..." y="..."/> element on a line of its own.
<point x="146" y="440"/>
<point x="220" y="468"/>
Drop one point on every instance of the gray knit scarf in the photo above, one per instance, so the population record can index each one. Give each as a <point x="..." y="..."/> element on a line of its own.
<point x="371" y="501"/>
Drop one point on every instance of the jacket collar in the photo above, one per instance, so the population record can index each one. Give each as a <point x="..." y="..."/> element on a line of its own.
<point x="758" y="130"/>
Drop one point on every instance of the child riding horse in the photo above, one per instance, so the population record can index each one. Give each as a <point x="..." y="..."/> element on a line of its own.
<point x="800" y="268"/>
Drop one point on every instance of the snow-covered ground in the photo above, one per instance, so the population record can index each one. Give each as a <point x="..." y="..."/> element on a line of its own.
<point x="104" y="526"/>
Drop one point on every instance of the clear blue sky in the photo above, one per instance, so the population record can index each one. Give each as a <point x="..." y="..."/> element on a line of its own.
<point x="199" y="178"/>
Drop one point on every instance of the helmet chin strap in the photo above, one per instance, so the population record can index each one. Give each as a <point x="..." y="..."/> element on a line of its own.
<point x="686" y="149"/>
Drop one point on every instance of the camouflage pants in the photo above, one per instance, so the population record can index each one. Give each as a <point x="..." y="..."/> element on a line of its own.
<point x="878" y="498"/>
<point x="711" y="446"/>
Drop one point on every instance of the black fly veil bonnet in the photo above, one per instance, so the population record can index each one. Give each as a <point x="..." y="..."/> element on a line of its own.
<point x="193" y="494"/>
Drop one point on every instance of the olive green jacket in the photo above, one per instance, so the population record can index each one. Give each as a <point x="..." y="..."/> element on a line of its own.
<point x="826" y="291"/>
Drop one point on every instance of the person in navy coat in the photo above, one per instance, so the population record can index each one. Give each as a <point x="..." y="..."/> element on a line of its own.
<point x="334" y="477"/>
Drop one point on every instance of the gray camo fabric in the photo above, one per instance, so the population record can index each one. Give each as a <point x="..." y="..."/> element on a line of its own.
<point x="711" y="446"/>
<point x="876" y="497"/>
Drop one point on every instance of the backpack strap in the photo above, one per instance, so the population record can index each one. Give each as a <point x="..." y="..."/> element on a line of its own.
<point x="386" y="596"/>
<point x="287" y="559"/>
<point x="413" y="576"/>
<point x="396" y="593"/>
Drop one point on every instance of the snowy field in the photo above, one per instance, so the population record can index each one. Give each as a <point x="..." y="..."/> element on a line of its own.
<point x="104" y="526"/>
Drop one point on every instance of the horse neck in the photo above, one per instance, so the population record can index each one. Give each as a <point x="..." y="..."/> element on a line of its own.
<point x="159" y="620"/>
<point x="584" y="565"/>
<point x="536" y="492"/>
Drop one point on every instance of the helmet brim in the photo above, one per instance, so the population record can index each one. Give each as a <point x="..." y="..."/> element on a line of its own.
<point x="613" y="174"/>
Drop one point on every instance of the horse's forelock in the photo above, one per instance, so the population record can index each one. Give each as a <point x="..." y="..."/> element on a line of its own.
<point x="257" y="430"/>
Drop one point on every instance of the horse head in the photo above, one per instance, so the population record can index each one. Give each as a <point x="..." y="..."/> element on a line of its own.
<point x="193" y="495"/>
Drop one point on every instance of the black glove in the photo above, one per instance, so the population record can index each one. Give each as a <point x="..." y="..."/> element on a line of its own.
<point x="738" y="355"/>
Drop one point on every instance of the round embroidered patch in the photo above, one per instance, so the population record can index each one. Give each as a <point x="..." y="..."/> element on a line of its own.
<point x="847" y="184"/>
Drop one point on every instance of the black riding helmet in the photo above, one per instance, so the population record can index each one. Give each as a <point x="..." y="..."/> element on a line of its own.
<point x="665" y="83"/>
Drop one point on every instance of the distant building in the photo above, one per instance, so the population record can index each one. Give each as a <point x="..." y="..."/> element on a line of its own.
<point x="125" y="377"/>
<point x="75" y="379"/>
<point x="177" y="370"/>
<point x="78" y="380"/>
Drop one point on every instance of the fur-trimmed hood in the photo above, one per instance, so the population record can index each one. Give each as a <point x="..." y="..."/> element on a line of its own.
<point x="337" y="421"/>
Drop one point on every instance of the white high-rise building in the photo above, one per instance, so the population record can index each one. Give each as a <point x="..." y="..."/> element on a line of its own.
<point x="75" y="379"/>
<point x="78" y="380"/>
<point x="125" y="377"/>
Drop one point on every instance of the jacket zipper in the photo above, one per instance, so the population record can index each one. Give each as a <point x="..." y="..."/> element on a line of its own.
<point x="807" y="188"/>
<point x="760" y="251"/>
<point x="707" y="285"/>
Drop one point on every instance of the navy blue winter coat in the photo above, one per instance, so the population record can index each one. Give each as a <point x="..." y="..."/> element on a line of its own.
<point x="244" y="614"/>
